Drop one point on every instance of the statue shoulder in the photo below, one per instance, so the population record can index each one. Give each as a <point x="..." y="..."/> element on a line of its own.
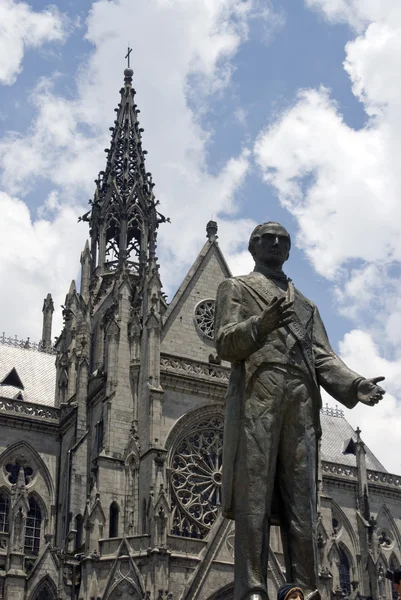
<point x="304" y="299"/>
<point x="230" y="283"/>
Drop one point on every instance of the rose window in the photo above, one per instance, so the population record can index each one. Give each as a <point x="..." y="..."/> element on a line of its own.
<point x="204" y="318"/>
<point x="196" y="478"/>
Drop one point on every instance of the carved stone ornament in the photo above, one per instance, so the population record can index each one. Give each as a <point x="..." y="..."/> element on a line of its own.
<point x="196" y="478"/>
<point x="204" y="318"/>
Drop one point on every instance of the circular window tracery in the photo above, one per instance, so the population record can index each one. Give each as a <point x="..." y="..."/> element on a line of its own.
<point x="386" y="540"/>
<point x="13" y="468"/>
<point x="196" y="473"/>
<point x="204" y="317"/>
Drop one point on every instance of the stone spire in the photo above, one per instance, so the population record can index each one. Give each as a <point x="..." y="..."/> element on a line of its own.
<point x="123" y="218"/>
<point x="48" y="310"/>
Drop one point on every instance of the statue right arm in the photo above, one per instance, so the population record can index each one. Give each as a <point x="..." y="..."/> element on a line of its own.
<point x="236" y="339"/>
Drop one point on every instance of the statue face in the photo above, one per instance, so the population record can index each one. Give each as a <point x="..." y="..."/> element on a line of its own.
<point x="271" y="245"/>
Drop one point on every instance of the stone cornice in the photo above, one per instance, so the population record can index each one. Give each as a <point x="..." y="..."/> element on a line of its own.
<point x="193" y="377"/>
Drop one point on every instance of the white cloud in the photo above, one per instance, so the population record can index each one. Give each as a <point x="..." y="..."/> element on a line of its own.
<point x="343" y="185"/>
<point x="21" y="28"/>
<point x="37" y="257"/>
<point x="182" y="53"/>
<point x="383" y="421"/>
<point x="357" y="13"/>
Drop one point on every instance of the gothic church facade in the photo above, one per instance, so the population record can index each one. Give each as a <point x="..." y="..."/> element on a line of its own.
<point x="111" y="439"/>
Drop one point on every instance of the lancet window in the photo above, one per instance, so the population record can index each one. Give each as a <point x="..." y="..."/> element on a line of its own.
<point x="113" y="520"/>
<point x="134" y="236"/>
<point x="79" y="527"/>
<point x="4" y="512"/>
<point x="393" y="567"/>
<point x="344" y="571"/>
<point x="33" y="527"/>
<point x="113" y="227"/>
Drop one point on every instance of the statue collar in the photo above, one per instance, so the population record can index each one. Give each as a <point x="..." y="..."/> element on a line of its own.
<point x="272" y="274"/>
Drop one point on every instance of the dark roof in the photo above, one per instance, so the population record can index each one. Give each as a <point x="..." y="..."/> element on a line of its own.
<point x="336" y="435"/>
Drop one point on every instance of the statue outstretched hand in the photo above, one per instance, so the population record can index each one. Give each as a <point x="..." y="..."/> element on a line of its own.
<point x="369" y="392"/>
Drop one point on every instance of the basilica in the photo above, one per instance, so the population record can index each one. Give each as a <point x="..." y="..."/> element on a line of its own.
<point x="111" y="437"/>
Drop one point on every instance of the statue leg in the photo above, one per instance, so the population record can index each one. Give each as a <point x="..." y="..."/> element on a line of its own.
<point x="254" y="482"/>
<point x="296" y="477"/>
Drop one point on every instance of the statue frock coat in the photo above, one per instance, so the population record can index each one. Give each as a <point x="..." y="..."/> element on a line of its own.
<point x="303" y="345"/>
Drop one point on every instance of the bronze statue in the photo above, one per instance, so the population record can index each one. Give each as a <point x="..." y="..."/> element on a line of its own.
<point x="280" y="355"/>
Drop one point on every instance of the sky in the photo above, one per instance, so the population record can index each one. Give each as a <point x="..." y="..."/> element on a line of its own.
<point x="253" y="110"/>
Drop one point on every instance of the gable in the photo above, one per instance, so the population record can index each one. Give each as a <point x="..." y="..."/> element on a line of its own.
<point x="181" y="335"/>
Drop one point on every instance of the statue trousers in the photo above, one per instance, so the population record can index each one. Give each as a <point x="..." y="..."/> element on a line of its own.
<point x="277" y="452"/>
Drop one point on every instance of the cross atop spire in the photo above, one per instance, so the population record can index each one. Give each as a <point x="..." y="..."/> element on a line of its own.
<point x="123" y="218"/>
<point x="127" y="55"/>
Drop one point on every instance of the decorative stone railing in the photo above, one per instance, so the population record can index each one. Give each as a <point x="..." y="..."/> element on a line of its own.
<point x="186" y="366"/>
<point x="386" y="478"/>
<point x="25" y="344"/>
<point x="333" y="412"/>
<point x="377" y="477"/>
<point x="337" y="469"/>
<point x="27" y="408"/>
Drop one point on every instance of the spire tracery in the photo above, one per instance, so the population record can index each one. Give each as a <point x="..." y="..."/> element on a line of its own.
<point x="123" y="219"/>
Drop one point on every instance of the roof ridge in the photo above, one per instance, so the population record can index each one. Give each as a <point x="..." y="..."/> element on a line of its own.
<point x="25" y="344"/>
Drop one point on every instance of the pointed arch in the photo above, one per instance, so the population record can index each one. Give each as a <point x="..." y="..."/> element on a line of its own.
<point x="394" y="562"/>
<point x="385" y="513"/>
<point x="381" y="559"/>
<point x="23" y="447"/>
<point x="345" y="565"/>
<point x="124" y="589"/>
<point x="347" y="526"/>
<point x="114" y="517"/>
<point x="5" y="507"/>
<point x="44" y="590"/>
<point x="224" y="593"/>
<point x="124" y="573"/>
<point x="79" y="528"/>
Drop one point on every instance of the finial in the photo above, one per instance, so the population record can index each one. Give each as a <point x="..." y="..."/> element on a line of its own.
<point x="128" y="73"/>
<point x="358" y="434"/>
<point x="211" y="231"/>
<point x="127" y="55"/>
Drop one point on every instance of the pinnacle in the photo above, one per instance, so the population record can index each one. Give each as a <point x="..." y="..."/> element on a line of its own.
<point x="48" y="304"/>
<point x="85" y="252"/>
<point x="73" y="288"/>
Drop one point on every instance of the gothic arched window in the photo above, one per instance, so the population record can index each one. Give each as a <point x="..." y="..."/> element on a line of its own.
<point x="79" y="526"/>
<point x="113" y="520"/>
<point x="4" y="512"/>
<point x="46" y="591"/>
<point x="344" y="571"/>
<point x="393" y="567"/>
<point x="32" y="528"/>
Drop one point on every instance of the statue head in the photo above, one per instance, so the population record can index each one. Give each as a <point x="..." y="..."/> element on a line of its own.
<point x="270" y="244"/>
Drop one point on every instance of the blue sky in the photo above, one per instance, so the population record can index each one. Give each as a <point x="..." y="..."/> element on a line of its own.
<point x="253" y="110"/>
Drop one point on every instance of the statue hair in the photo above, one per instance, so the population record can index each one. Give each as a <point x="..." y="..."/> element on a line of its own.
<point x="259" y="227"/>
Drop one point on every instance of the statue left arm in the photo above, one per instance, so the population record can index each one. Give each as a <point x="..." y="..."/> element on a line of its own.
<point x="343" y="384"/>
